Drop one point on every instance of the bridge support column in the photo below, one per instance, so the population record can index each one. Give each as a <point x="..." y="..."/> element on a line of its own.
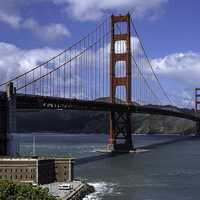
<point x="120" y="137"/>
<point x="198" y="128"/>
<point x="11" y="115"/>
<point x="11" y="96"/>
<point x="120" y="122"/>
<point x="3" y="125"/>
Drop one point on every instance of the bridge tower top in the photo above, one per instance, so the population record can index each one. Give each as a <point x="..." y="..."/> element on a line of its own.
<point x="124" y="57"/>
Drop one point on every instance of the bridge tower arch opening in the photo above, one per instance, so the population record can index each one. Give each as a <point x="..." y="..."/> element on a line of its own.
<point x="120" y="137"/>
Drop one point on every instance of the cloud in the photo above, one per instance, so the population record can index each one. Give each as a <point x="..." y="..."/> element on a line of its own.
<point x="11" y="14"/>
<point x="180" y="74"/>
<point x="47" y="32"/>
<point x="182" y="67"/>
<point x="15" y="61"/>
<point x="95" y="9"/>
<point x="12" y="20"/>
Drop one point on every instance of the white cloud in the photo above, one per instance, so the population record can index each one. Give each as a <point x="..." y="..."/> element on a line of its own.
<point x="10" y="13"/>
<point x="95" y="9"/>
<point x="180" y="72"/>
<point x="12" y="20"/>
<point x="183" y="67"/>
<point x="15" y="61"/>
<point x="47" y="32"/>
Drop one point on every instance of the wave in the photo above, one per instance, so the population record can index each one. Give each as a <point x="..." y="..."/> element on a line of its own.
<point x="101" y="188"/>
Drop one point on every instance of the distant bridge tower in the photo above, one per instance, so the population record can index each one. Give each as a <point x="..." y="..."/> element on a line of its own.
<point x="120" y="138"/>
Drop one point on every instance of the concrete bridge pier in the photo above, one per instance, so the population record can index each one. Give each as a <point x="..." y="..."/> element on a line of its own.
<point x="11" y="97"/>
<point x="3" y="125"/>
<point x="11" y="117"/>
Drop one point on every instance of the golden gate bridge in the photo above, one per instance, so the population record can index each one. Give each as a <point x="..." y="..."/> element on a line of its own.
<point x="106" y="70"/>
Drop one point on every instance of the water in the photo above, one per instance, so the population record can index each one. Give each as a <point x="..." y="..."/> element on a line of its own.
<point x="166" y="172"/>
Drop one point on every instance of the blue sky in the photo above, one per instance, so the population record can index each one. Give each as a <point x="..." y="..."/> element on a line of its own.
<point x="40" y="28"/>
<point x="176" y="30"/>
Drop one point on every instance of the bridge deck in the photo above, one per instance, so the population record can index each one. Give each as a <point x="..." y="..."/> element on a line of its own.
<point x="45" y="102"/>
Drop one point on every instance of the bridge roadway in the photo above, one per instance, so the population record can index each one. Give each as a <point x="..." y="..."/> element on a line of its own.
<point x="45" y="102"/>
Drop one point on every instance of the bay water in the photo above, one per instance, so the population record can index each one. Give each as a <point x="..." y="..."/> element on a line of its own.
<point x="170" y="171"/>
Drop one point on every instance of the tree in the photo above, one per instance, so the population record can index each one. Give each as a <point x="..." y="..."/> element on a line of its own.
<point x="23" y="191"/>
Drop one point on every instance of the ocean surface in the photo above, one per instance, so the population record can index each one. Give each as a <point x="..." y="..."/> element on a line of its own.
<point x="170" y="171"/>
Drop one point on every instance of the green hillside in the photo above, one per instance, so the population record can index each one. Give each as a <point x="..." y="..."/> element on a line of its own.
<point x="97" y="122"/>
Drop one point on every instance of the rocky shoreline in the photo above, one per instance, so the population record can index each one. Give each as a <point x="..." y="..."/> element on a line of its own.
<point x="84" y="190"/>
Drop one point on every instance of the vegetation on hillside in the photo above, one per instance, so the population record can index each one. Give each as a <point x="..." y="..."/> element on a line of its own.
<point x="75" y="121"/>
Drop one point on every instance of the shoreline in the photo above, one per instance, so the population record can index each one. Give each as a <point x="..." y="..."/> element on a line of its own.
<point x="79" y="191"/>
<point x="63" y="133"/>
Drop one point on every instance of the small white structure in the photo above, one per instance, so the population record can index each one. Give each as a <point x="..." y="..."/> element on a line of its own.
<point x="65" y="186"/>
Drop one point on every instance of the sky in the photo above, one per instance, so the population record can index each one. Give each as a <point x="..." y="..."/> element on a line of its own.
<point x="36" y="30"/>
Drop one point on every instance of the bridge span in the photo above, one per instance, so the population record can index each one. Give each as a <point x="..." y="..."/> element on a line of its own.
<point x="108" y="62"/>
<point x="10" y="105"/>
<point x="45" y="102"/>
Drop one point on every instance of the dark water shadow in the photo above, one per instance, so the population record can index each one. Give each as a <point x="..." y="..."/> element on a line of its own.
<point x="160" y="144"/>
<point x="90" y="159"/>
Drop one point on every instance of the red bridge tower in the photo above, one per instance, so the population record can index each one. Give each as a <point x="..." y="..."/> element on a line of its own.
<point x="120" y="138"/>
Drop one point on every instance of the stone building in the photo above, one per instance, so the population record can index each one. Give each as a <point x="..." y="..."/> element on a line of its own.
<point x="40" y="170"/>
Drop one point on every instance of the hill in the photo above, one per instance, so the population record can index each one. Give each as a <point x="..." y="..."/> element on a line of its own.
<point x="97" y="122"/>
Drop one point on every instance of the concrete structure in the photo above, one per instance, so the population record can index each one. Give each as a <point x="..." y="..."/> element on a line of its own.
<point x="78" y="190"/>
<point x="41" y="170"/>
<point x="64" y="169"/>
<point x="11" y="98"/>
<point x="7" y="117"/>
<point x="3" y="124"/>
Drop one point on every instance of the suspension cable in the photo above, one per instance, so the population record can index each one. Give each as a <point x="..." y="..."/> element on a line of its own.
<point x="160" y="85"/>
<point x="65" y="50"/>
